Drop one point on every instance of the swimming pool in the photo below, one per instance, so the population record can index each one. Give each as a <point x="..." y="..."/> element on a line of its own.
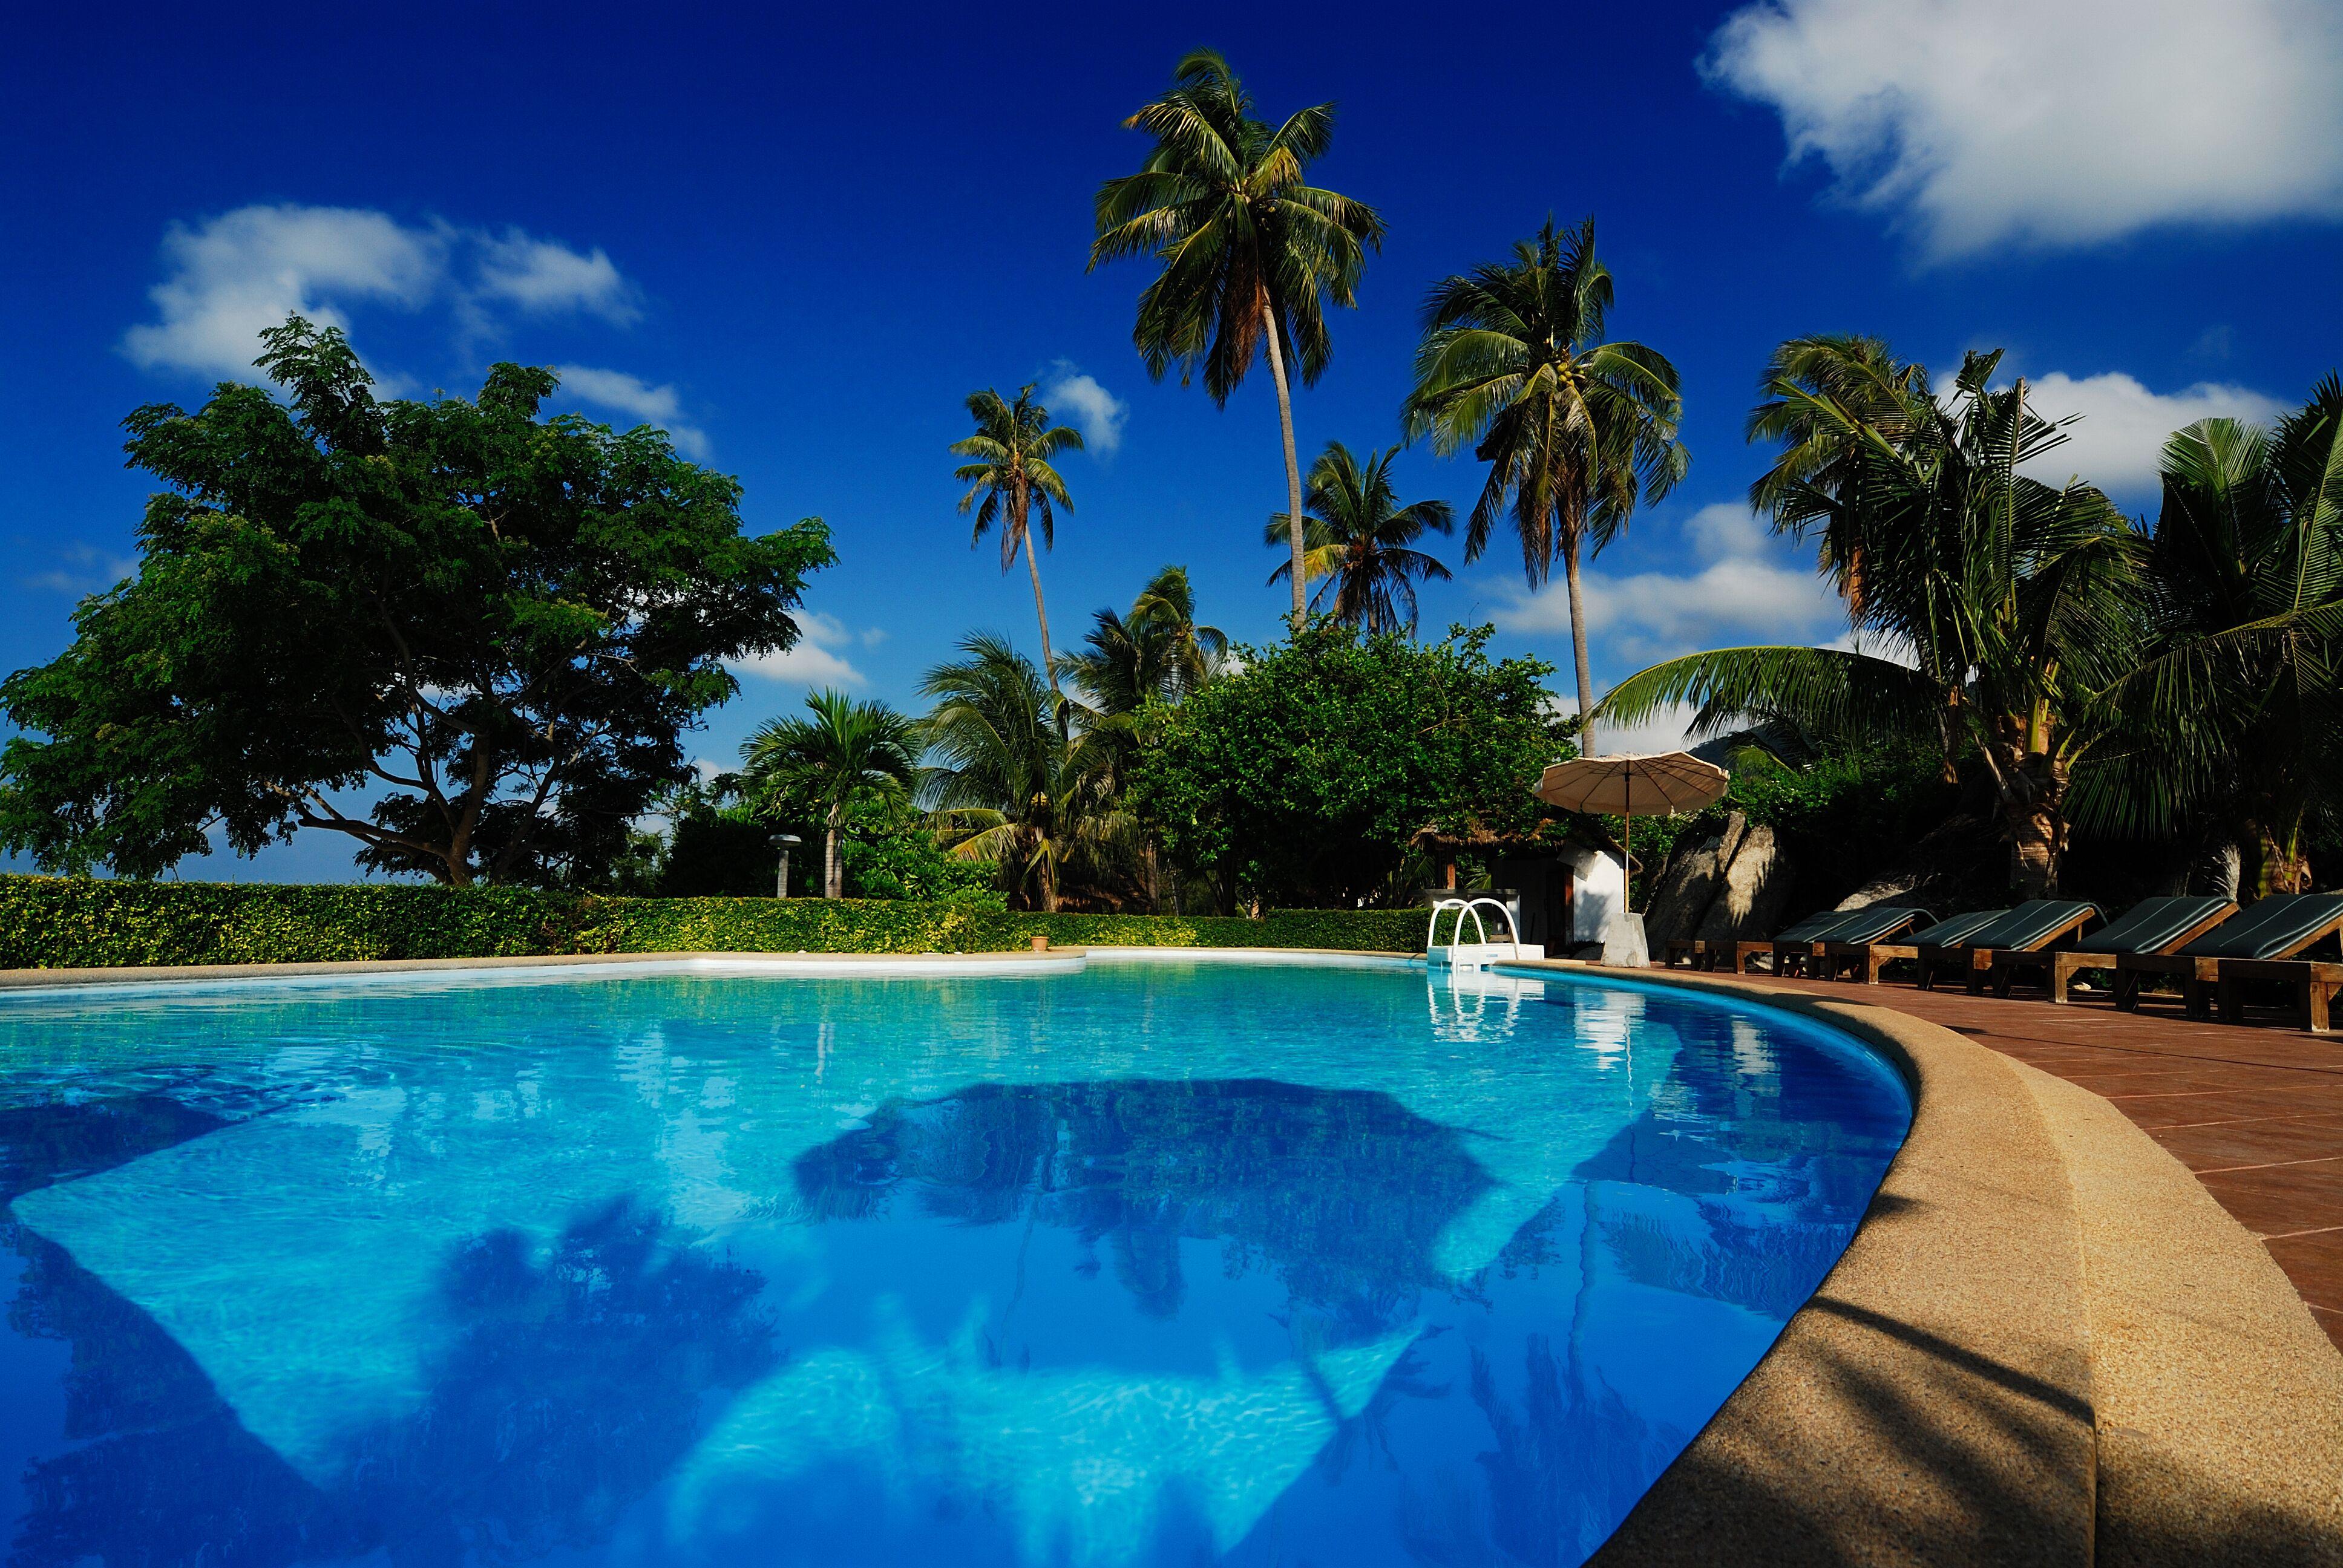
<point x="1158" y="1262"/>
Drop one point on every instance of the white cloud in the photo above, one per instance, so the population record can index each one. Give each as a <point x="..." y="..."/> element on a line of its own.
<point x="1755" y="588"/>
<point x="817" y="658"/>
<point x="1098" y="412"/>
<point x="626" y="394"/>
<point x="232" y="276"/>
<point x="543" y="275"/>
<point x="86" y="569"/>
<point x="2052" y="121"/>
<point x="249" y="269"/>
<point x="2119" y="439"/>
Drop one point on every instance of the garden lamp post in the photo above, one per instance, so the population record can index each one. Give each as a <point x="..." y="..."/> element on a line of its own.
<point x="784" y="842"/>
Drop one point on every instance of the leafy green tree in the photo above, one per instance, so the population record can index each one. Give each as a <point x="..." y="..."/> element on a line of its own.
<point x="1250" y="253"/>
<point x="1005" y="772"/>
<point x="1306" y="773"/>
<point x="498" y="626"/>
<point x="846" y="750"/>
<point x="1358" y="539"/>
<point x="2234" y="710"/>
<point x="1013" y="444"/>
<point x="1574" y="429"/>
<point x="2016" y="603"/>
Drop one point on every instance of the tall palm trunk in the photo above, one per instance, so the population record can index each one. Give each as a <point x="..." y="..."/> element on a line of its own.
<point x="1293" y="463"/>
<point x="833" y="863"/>
<point x="1578" y="646"/>
<point x="1040" y="613"/>
<point x="1033" y="565"/>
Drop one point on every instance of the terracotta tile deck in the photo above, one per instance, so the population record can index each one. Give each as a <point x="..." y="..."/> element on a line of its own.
<point x="2255" y="1111"/>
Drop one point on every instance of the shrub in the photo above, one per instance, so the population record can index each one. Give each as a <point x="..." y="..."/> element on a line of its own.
<point x="49" y="922"/>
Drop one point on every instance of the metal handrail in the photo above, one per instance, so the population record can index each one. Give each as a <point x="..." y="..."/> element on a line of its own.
<point x="1471" y="906"/>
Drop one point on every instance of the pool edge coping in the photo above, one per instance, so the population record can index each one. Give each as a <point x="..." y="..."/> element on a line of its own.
<point x="2046" y="1344"/>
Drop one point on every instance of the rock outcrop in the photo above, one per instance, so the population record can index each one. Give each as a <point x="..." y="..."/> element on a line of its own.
<point x="1729" y="888"/>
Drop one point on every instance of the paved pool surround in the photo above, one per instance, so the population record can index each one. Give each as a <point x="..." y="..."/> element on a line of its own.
<point x="2047" y="1343"/>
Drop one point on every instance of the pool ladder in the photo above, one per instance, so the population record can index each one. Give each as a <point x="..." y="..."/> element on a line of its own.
<point x="1481" y="952"/>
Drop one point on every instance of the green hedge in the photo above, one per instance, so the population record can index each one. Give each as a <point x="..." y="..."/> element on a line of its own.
<point x="49" y="922"/>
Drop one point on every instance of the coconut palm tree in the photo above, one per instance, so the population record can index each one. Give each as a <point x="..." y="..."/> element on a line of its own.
<point x="1132" y="667"/>
<point x="2016" y="603"/>
<point x="1574" y="429"/>
<point x="2235" y="707"/>
<point x="1250" y="254"/>
<point x="1004" y="771"/>
<point x="1357" y="538"/>
<point x="1013" y="444"/>
<point x="845" y="749"/>
<point x="1155" y="653"/>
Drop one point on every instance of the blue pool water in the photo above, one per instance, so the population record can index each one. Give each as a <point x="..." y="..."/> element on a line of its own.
<point x="1154" y="1264"/>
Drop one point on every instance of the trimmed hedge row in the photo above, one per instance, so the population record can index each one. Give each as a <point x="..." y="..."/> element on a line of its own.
<point x="50" y="923"/>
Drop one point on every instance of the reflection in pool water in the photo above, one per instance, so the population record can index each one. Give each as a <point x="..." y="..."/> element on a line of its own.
<point x="1146" y="1265"/>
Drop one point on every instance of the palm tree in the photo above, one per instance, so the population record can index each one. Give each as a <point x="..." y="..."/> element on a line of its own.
<point x="846" y="749"/>
<point x="1250" y="253"/>
<point x="1028" y="796"/>
<point x="1155" y="653"/>
<point x="1013" y="444"/>
<point x="2235" y="712"/>
<point x="2017" y="602"/>
<point x="1358" y="537"/>
<point x="1574" y="429"/>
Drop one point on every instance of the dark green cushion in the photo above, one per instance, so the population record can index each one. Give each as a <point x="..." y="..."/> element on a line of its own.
<point x="1877" y="923"/>
<point x="1957" y="930"/>
<point x="2154" y="924"/>
<point x="2031" y="923"/>
<point x="2270" y="928"/>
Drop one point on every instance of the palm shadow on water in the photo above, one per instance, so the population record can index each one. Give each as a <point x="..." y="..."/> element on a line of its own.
<point x="574" y="1376"/>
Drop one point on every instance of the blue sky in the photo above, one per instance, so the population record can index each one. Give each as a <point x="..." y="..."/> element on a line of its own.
<point x="799" y="241"/>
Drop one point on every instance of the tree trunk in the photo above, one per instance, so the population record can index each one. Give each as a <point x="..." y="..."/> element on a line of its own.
<point x="1578" y="648"/>
<point x="1041" y="610"/>
<point x="833" y="864"/>
<point x="2032" y="809"/>
<point x="1293" y="463"/>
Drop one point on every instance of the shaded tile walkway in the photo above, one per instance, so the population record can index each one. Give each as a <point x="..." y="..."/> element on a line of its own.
<point x="2255" y="1112"/>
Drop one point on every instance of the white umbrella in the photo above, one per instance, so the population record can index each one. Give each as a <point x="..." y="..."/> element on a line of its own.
<point x="1669" y="781"/>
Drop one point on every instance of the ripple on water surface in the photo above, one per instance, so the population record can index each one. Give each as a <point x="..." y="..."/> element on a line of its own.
<point x="1149" y="1264"/>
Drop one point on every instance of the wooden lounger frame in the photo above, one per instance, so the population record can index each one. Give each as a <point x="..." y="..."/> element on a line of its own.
<point x="1868" y="957"/>
<point x="2201" y="979"/>
<point x="2065" y="963"/>
<point x="1990" y="964"/>
<point x="1698" y="953"/>
<point x="2315" y="986"/>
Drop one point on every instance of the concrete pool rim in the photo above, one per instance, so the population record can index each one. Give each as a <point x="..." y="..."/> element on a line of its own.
<point x="2045" y="1343"/>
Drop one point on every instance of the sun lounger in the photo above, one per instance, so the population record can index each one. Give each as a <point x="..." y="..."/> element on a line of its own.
<point x="1849" y="946"/>
<point x="2311" y="920"/>
<point x="1790" y="946"/>
<point x="2152" y="926"/>
<point x="2028" y="926"/>
<point x="2256" y="941"/>
<point x="1944" y="933"/>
